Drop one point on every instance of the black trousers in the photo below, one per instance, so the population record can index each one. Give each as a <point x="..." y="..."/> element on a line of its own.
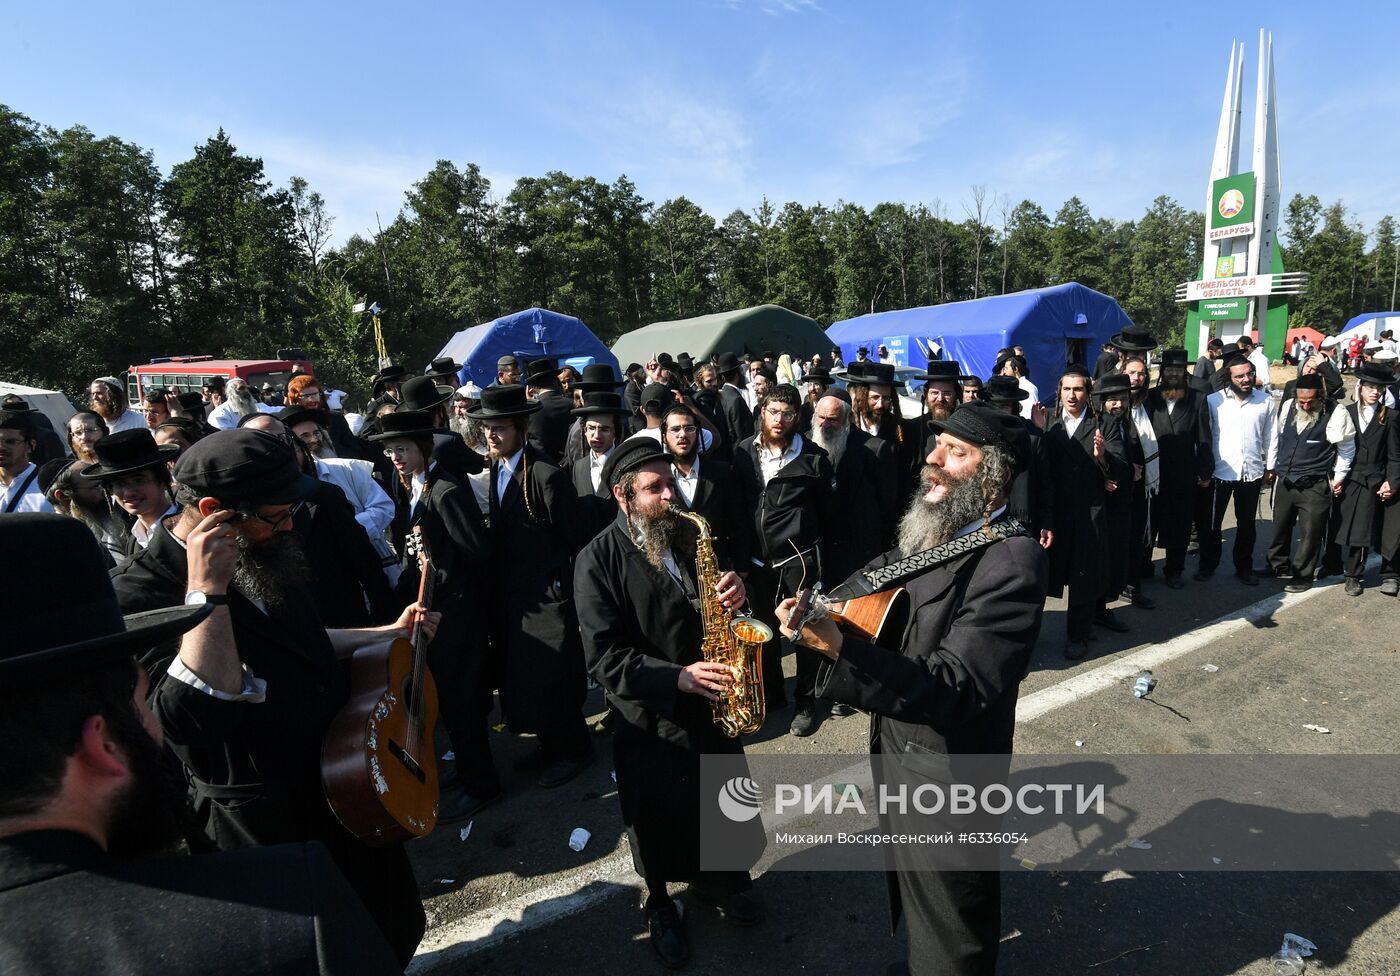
<point x="461" y="670"/>
<point x="1309" y="508"/>
<point x="1245" y="495"/>
<point x="767" y="588"/>
<point x="953" y="921"/>
<point x="1355" y="566"/>
<point x="715" y="885"/>
<point x="1139" y="538"/>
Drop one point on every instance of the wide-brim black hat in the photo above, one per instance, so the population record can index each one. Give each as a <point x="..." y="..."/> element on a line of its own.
<point x="446" y="366"/>
<point x="128" y="451"/>
<point x="866" y="373"/>
<point x="405" y="423"/>
<point x="727" y="362"/>
<point x="598" y="378"/>
<point x="685" y="362"/>
<point x="545" y="366"/>
<point x="1002" y="389"/>
<point x="984" y="425"/>
<point x="595" y="404"/>
<point x="1373" y="373"/>
<point x="423" y="393"/>
<point x="78" y="627"/>
<point x="296" y="414"/>
<point x="1134" y="340"/>
<point x="1112" y="384"/>
<point x="1174" y="357"/>
<point x="499" y="402"/>
<point x="389" y="374"/>
<point x="817" y="374"/>
<point x="940" y="369"/>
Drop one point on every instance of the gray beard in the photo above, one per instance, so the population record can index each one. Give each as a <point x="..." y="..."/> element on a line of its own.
<point x="245" y="405"/>
<point x="467" y="429"/>
<point x="654" y="535"/>
<point x="927" y="524"/>
<point x="832" y="444"/>
<point x="266" y="571"/>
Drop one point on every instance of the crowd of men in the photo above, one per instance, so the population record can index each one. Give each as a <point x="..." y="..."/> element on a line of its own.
<point x="279" y="534"/>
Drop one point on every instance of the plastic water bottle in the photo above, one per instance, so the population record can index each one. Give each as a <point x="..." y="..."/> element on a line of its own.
<point x="1144" y="684"/>
<point x="1287" y="962"/>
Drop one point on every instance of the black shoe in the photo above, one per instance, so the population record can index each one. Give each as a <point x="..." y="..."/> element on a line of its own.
<point x="668" y="939"/>
<point x="456" y="805"/>
<point x="1390" y="587"/>
<point x="1283" y="572"/>
<point x="1353" y="586"/>
<point x="1173" y="581"/>
<point x="1248" y="577"/>
<point x="531" y="761"/>
<point x="1298" y="586"/>
<point x="841" y="709"/>
<point x="1137" y="598"/>
<point x="806" y="721"/>
<point x="560" y="771"/>
<point x="1076" y="650"/>
<point x="1106" y="620"/>
<point x="1203" y="575"/>
<point x="740" y="908"/>
<point x="897" y="969"/>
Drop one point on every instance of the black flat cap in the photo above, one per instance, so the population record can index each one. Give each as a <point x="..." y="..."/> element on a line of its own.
<point x="244" y="467"/>
<point x="656" y="393"/>
<point x="984" y="425"/>
<point x="630" y="455"/>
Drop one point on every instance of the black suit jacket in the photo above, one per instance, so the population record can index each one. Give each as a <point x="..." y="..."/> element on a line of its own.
<point x="598" y="508"/>
<point x="347" y="580"/>
<point x="549" y="426"/>
<point x="865" y="500"/>
<point x="70" y="910"/>
<point x="792" y="512"/>
<point x="719" y="501"/>
<point x="738" y="417"/>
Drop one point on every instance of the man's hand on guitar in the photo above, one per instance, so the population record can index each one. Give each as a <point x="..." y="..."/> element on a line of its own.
<point x="819" y="635"/>
<point x="704" y="678"/>
<point x="410" y="616"/>
<point x="730" y="589"/>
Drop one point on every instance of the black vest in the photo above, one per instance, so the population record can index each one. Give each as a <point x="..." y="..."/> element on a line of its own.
<point x="1307" y="454"/>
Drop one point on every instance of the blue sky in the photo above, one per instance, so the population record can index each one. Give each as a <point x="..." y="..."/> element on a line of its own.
<point x="725" y="100"/>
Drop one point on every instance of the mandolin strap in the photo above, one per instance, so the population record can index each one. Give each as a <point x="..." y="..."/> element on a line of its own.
<point x="896" y="573"/>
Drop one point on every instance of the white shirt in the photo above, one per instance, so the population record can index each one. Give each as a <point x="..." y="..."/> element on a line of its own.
<point x="420" y="484"/>
<point x="1261" y="365"/>
<point x="1240" y="431"/>
<point x="1147" y="436"/>
<point x="1366" y="413"/>
<point x="1339" y="431"/>
<point x="374" y="509"/>
<point x="771" y="462"/>
<point x="889" y="359"/>
<point x="129" y="420"/>
<point x="685" y="483"/>
<point x="142" y="534"/>
<point x="1030" y="388"/>
<point x="595" y="466"/>
<point x="226" y="416"/>
<point x="33" y="499"/>
<point x="506" y="471"/>
<point x="1071" y="422"/>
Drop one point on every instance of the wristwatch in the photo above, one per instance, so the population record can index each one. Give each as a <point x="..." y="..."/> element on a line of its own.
<point x="198" y="598"/>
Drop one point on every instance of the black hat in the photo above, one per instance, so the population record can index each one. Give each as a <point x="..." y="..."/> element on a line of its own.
<point x="665" y="361"/>
<point x="632" y="368"/>
<point x="1112" y="384"/>
<point x="17" y="420"/>
<point x="868" y="373"/>
<point x="727" y="362"/>
<point x="15" y="403"/>
<point x="1174" y="357"/>
<point x="444" y="366"/>
<point x="191" y="402"/>
<point x="52" y="471"/>
<point x="1236" y="358"/>
<point x="423" y="393"/>
<point x="243" y="466"/>
<point x="656" y="393"/>
<point x="863" y="351"/>
<point x="127" y="451"/>
<point x="940" y="369"/>
<point x="1134" y="339"/>
<point x="1308" y="381"/>
<point x="982" y="424"/>
<point x="1373" y="373"/>
<point x="189" y="428"/>
<point x="389" y="374"/>
<point x="545" y="366"/>
<point x="77" y="627"/>
<point x="817" y="374"/>
<point x="297" y="414"/>
<point x="967" y="379"/>
<point x="1076" y="369"/>
<point x="595" y="404"/>
<point x="499" y="401"/>
<point x="405" y="423"/>
<point x="214" y="383"/>
<point x="685" y="362"/>
<point x="630" y="455"/>
<point x="1002" y="389"/>
<point x="598" y="377"/>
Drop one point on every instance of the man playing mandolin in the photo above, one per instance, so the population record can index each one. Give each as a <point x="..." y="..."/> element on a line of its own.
<point x="976" y="587"/>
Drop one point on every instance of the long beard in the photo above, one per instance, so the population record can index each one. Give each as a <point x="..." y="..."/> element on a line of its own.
<point x="106" y="411"/>
<point x="243" y="403"/>
<point x="928" y="523"/>
<point x="656" y="534"/>
<point x="832" y="444"/>
<point x="466" y="428"/>
<point x="326" y="451"/>
<point x="84" y="453"/>
<point x="940" y="411"/>
<point x="97" y="517"/>
<point x="268" y="570"/>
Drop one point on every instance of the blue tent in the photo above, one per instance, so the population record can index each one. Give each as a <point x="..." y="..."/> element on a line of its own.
<point x="1056" y="326"/>
<point x="526" y="335"/>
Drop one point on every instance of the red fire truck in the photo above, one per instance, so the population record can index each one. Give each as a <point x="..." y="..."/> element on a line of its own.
<point x="189" y="373"/>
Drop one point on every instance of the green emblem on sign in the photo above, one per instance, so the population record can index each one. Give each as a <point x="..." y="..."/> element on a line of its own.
<point x="1233" y="199"/>
<point x="1225" y="267"/>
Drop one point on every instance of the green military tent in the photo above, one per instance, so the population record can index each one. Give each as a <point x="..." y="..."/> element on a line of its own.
<point x="750" y="330"/>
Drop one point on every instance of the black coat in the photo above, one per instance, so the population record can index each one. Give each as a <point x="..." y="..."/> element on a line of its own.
<point x="1118" y="506"/>
<point x="1106" y="363"/>
<point x="346" y="580"/>
<point x="738" y="417"/>
<point x="865" y="498"/>
<point x="719" y="501"/>
<point x="459" y="548"/>
<point x="1081" y="516"/>
<point x="1365" y="520"/>
<point x="792" y="512"/>
<point x="1185" y="456"/>
<point x="597" y="508"/>
<point x="640" y="629"/>
<point x="70" y="910"/>
<point x="535" y="628"/>
<point x="1031" y="498"/>
<point x="255" y="768"/>
<point x="549" y="425"/>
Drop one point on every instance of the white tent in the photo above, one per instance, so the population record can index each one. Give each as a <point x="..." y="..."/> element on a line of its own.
<point x="54" y="404"/>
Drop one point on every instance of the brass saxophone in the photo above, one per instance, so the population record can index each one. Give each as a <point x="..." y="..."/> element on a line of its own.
<point x="734" y="640"/>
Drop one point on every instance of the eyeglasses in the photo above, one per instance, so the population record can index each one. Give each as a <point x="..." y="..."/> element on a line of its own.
<point x="781" y="414"/>
<point x="688" y="429"/>
<point x="597" y="428"/>
<point x="87" y="430"/>
<point x="247" y="515"/>
<point x="396" y="452"/>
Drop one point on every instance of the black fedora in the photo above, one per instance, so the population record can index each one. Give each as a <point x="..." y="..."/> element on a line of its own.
<point x="298" y="414"/>
<point x="545" y="367"/>
<point x="77" y="627"/>
<point x="1134" y="339"/>
<point x="127" y="451"/>
<point x="727" y="363"/>
<point x="867" y="373"/>
<point x="940" y="369"/>
<point x="389" y="374"/>
<point x="1174" y="357"/>
<point x="499" y="401"/>
<point x="444" y="366"/>
<point x="1112" y="384"/>
<point x="423" y="393"/>
<point x="598" y="377"/>
<point x="1373" y="373"/>
<point x="405" y="423"/>
<point x="1002" y="389"/>
<point x="817" y="374"/>
<point x="595" y="404"/>
<point x="685" y="362"/>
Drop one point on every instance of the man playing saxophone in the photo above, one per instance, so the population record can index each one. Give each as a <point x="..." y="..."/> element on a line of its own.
<point x="640" y="610"/>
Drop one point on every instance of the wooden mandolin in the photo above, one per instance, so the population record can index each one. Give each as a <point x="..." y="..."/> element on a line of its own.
<point x="879" y="618"/>
<point x="378" y="767"/>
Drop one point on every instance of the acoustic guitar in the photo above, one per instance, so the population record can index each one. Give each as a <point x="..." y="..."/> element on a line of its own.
<point x="378" y="767"/>
<point x="879" y="618"/>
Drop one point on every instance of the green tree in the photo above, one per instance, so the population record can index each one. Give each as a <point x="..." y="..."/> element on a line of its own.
<point x="1165" y="250"/>
<point x="1074" y="251"/>
<point x="685" y="246"/>
<point x="1028" y="247"/>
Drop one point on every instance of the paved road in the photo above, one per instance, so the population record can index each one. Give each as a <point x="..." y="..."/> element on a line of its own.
<point x="512" y="897"/>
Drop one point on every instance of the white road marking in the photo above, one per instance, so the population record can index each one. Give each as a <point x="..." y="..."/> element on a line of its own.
<point x="573" y="893"/>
